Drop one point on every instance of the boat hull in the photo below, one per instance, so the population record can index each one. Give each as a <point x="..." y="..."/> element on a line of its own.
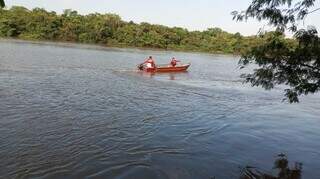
<point x="168" y="68"/>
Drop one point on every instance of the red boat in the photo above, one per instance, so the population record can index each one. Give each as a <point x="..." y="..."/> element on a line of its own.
<point x="165" y="68"/>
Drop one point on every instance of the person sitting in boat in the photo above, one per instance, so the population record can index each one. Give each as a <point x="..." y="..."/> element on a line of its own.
<point x="174" y="62"/>
<point x="150" y="62"/>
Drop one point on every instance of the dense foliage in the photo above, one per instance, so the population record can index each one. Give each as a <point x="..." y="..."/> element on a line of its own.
<point x="281" y="165"/>
<point x="2" y="4"/>
<point x="296" y="64"/>
<point x="109" y="29"/>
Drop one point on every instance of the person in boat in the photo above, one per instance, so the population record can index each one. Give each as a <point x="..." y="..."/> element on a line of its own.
<point x="150" y="62"/>
<point x="174" y="62"/>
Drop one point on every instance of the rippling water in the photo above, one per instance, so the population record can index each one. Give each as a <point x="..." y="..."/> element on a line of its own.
<point x="83" y="112"/>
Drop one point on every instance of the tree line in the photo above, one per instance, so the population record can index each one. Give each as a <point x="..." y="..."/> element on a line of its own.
<point x="111" y="30"/>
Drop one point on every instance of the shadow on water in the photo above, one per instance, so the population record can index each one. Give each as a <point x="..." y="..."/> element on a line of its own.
<point x="281" y="164"/>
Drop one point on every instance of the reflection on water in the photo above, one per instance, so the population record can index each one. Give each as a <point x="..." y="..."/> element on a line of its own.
<point x="163" y="75"/>
<point x="281" y="165"/>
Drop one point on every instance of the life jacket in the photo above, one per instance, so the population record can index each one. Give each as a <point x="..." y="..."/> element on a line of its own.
<point x="151" y="62"/>
<point x="173" y="62"/>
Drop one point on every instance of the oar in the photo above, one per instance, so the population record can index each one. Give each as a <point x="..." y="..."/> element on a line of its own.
<point x="140" y="66"/>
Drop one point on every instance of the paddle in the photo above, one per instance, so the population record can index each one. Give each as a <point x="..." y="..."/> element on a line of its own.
<point x="140" y="66"/>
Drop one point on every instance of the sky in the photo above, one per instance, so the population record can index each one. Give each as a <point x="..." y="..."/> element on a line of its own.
<point x="190" y="14"/>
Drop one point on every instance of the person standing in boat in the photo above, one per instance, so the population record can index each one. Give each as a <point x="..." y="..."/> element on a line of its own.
<point x="150" y="62"/>
<point x="174" y="62"/>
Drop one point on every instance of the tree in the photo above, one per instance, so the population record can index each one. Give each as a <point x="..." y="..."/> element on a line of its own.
<point x="280" y="61"/>
<point x="110" y="29"/>
<point x="2" y="4"/>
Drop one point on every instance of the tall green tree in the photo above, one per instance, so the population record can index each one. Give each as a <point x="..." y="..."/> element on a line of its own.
<point x="295" y="64"/>
<point x="2" y="4"/>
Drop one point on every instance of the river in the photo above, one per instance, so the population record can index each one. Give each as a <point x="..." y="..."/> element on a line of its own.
<point x="80" y="111"/>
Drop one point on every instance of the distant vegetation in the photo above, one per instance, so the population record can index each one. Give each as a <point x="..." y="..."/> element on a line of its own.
<point x="109" y="29"/>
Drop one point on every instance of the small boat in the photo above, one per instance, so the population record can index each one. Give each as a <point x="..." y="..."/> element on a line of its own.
<point x="165" y="68"/>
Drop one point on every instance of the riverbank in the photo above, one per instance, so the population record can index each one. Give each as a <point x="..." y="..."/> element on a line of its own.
<point x="102" y="47"/>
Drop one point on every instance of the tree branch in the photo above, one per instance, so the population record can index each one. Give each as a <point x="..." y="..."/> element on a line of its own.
<point x="314" y="10"/>
<point x="309" y="66"/>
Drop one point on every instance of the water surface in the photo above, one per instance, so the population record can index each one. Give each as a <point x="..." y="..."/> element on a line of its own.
<point x="78" y="112"/>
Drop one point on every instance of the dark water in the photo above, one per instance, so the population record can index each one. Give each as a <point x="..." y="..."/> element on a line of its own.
<point x="71" y="112"/>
